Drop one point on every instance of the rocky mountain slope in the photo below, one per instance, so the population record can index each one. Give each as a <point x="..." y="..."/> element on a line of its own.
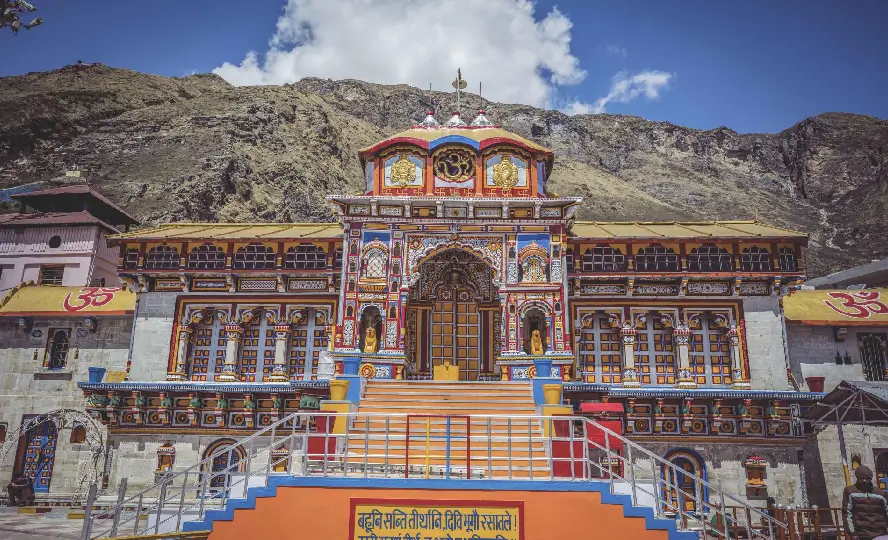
<point x="199" y="149"/>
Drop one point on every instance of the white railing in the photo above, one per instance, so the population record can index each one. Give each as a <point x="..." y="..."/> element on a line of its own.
<point x="373" y="445"/>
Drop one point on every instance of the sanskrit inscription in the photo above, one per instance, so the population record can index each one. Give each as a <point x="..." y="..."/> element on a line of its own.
<point x="388" y="519"/>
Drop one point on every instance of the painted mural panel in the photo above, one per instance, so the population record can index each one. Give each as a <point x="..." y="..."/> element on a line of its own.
<point x="505" y="171"/>
<point x="403" y="171"/>
<point x="454" y="168"/>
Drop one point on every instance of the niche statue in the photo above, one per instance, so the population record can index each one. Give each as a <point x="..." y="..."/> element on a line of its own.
<point x="536" y="343"/>
<point x="370" y="340"/>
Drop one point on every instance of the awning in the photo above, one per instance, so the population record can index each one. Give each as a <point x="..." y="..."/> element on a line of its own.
<point x="51" y="300"/>
<point x="866" y="307"/>
<point x="852" y="402"/>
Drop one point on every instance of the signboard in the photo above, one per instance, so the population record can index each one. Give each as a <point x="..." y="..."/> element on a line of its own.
<point x="409" y="519"/>
<point x="838" y="307"/>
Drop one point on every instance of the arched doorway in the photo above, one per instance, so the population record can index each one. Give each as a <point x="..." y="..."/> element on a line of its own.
<point x="37" y="448"/>
<point x="224" y="464"/>
<point x="681" y="489"/>
<point x="451" y="314"/>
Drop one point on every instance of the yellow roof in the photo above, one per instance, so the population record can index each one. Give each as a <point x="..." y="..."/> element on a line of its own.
<point x="479" y="135"/>
<point x="680" y="230"/>
<point x="29" y="299"/>
<point x="234" y="231"/>
<point x="868" y="307"/>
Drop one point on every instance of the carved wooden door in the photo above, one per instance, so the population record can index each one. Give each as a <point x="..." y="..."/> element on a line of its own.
<point x="456" y="332"/>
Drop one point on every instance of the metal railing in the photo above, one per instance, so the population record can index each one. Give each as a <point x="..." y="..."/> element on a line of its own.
<point x="379" y="445"/>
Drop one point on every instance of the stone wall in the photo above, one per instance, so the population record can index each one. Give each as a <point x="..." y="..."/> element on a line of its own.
<point x="152" y="335"/>
<point x="812" y="352"/>
<point x="824" y="460"/>
<point x="764" y="343"/>
<point x="27" y="389"/>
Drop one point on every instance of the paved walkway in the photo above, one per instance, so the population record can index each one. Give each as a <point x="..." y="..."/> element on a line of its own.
<point x="37" y="527"/>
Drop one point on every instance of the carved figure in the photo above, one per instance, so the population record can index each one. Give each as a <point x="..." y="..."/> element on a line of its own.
<point x="505" y="174"/>
<point x="403" y="172"/>
<point x="370" y="340"/>
<point x="536" y="343"/>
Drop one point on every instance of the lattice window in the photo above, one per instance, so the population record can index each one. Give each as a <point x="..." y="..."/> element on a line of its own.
<point x="788" y="262"/>
<point x="337" y="258"/>
<point x="52" y="275"/>
<point x="206" y="257"/>
<point x="305" y="257"/>
<point x="654" y="353"/>
<point x="374" y="264"/>
<point x="306" y="343"/>
<point x="162" y="258"/>
<point x="710" y="258"/>
<point x="208" y="351"/>
<point x="599" y="355"/>
<point x="710" y="353"/>
<point x="569" y="260"/>
<point x="755" y="259"/>
<point x="656" y="258"/>
<point x="254" y="257"/>
<point x="57" y="348"/>
<point x="131" y="259"/>
<point x="257" y="349"/>
<point x="604" y="259"/>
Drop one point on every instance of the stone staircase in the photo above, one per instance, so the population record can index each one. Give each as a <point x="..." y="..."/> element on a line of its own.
<point x="499" y="447"/>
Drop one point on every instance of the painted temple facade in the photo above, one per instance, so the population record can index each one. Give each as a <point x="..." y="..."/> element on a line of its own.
<point x="455" y="254"/>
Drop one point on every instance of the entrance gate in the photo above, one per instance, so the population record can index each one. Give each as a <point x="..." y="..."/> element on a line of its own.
<point x="456" y="332"/>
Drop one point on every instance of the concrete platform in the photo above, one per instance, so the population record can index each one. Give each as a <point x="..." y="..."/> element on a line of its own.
<point x="38" y="526"/>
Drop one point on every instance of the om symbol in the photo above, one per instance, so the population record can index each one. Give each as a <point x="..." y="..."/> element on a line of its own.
<point x="89" y="296"/>
<point x="860" y="305"/>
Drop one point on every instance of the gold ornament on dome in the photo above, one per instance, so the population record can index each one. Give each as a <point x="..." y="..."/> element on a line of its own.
<point x="505" y="174"/>
<point x="455" y="165"/>
<point x="403" y="171"/>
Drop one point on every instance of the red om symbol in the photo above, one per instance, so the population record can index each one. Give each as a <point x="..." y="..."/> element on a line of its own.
<point x="863" y="304"/>
<point x="90" y="296"/>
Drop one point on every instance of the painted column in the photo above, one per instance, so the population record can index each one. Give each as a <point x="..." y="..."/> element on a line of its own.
<point x="179" y="373"/>
<point x="737" y="380"/>
<point x="233" y="333"/>
<point x="681" y="338"/>
<point x="279" y="372"/>
<point x="630" y="375"/>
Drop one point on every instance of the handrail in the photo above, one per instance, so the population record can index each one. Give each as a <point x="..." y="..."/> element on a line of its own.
<point x="369" y="446"/>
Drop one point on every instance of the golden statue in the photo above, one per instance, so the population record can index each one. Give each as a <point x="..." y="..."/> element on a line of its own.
<point x="403" y="172"/>
<point x="370" y="340"/>
<point x="536" y="343"/>
<point x="505" y="174"/>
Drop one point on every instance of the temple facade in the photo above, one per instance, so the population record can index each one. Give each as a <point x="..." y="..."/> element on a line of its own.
<point x="457" y="257"/>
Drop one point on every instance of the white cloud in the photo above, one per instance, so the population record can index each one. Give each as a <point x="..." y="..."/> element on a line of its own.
<point x="517" y="56"/>
<point x="616" y="50"/>
<point x="624" y="88"/>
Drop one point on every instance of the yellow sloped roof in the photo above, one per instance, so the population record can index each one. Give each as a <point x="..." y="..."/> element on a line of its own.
<point x="234" y="231"/>
<point x="28" y="299"/>
<point x="868" y="307"/>
<point x="679" y="230"/>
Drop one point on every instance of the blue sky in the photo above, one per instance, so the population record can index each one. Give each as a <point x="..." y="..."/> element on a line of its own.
<point x="754" y="66"/>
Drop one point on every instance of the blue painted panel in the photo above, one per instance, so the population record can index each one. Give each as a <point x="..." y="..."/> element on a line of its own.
<point x="450" y="139"/>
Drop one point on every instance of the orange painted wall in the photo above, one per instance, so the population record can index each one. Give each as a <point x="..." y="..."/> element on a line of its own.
<point x="323" y="513"/>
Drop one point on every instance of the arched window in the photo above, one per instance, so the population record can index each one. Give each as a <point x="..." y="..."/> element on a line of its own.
<point x="57" y="348"/>
<point x="710" y="353"/>
<point x="226" y="459"/>
<point x="533" y="270"/>
<point x="654" y="352"/>
<point x="599" y="354"/>
<point x="710" y="258"/>
<point x="208" y="351"/>
<point x="656" y="258"/>
<point x="305" y="257"/>
<point x="881" y="476"/>
<point x="569" y="260"/>
<point x="606" y="259"/>
<point x="78" y="434"/>
<point x="337" y="258"/>
<point x="257" y="349"/>
<point x="162" y="258"/>
<point x="374" y="263"/>
<point x="206" y="257"/>
<point x="254" y="257"/>
<point x="755" y="259"/>
<point x="3" y="430"/>
<point x="682" y="493"/>
<point x="131" y="259"/>
<point x="788" y="262"/>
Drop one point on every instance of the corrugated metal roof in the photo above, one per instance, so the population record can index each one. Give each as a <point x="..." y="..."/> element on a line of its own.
<point x="679" y="230"/>
<point x="234" y="231"/>
<point x="43" y="219"/>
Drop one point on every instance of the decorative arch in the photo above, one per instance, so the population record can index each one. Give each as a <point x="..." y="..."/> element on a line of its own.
<point x="535" y="315"/>
<point x="220" y="467"/>
<point x="681" y="490"/>
<point x="434" y="250"/>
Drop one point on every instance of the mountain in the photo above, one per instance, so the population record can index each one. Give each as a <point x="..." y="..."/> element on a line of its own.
<point x="198" y="149"/>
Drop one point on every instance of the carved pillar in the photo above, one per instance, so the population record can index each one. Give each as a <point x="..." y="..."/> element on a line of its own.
<point x="233" y="333"/>
<point x="630" y="375"/>
<point x="681" y="338"/>
<point x="737" y="379"/>
<point x="279" y="371"/>
<point x="179" y="373"/>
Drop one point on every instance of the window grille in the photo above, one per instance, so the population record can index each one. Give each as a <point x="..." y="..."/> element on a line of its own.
<point x="569" y="260"/>
<point x="710" y="258"/>
<point x="374" y="264"/>
<point x="306" y="343"/>
<point x="257" y="350"/>
<point x="162" y="258"/>
<point x="710" y="352"/>
<point x="656" y="258"/>
<point x="306" y="257"/>
<point x="788" y="262"/>
<point x="600" y="357"/>
<point x="57" y="348"/>
<point x="131" y="259"/>
<point x="208" y="351"/>
<point x="755" y="259"/>
<point x="337" y="258"/>
<point x="254" y="257"/>
<point x="604" y="259"/>
<point x="51" y="275"/>
<point x="206" y="257"/>
<point x="873" y="355"/>
<point x="654" y="352"/>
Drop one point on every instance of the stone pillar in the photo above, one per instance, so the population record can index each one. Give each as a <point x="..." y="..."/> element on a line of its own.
<point x="737" y="380"/>
<point x="179" y="373"/>
<point x="630" y="375"/>
<point x="279" y="371"/>
<point x="681" y="338"/>
<point x="234" y="333"/>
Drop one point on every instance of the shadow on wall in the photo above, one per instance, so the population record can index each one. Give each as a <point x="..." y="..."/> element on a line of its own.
<point x="815" y="479"/>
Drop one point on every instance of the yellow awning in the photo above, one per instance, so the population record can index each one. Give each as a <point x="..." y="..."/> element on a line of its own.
<point x="611" y="230"/>
<point x="234" y="231"/>
<point x="868" y="307"/>
<point x="51" y="300"/>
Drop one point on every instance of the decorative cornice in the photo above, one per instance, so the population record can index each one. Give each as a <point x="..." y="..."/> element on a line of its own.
<point x="175" y="386"/>
<point x="694" y="393"/>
